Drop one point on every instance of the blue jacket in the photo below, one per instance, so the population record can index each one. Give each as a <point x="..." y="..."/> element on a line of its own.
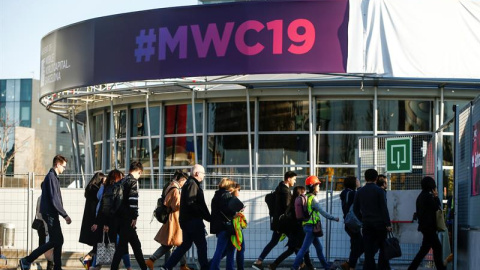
<point x="51" y="202"/>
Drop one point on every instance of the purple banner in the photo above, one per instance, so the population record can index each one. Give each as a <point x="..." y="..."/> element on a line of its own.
<point x="224" y="39"/>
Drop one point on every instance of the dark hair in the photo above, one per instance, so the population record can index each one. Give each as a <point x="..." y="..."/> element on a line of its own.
<point x="59" y="159"/>
<point x="289" y="174"/>
<point x="96" y="179"/>
<point x="310" y="188"/>
<point x="350" y="182"/>
<point x="297" y="191"/>
<point x="113" y="176"/>
<point x="371" y="175"/>
<point x="135" y="166"/>
<point x="381" y="180"/>
<point x="428" y="183"/>
<point x="179" y="175"/>
<point x="238" y="186"/>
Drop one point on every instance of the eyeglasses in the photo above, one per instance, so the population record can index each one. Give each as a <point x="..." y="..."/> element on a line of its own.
<point x="64" y="166"/>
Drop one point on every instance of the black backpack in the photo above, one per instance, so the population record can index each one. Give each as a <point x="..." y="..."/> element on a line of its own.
<point x="112" y="198"/>
<point x="270" y="200"/>
<point x="162" y="211"/>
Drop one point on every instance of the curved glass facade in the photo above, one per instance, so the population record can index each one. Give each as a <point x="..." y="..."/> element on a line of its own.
<point x="256" y="147"/>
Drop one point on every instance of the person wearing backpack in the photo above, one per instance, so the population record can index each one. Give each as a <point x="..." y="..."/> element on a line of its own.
<point x="282" y="200"/>
<point x="351" y="183"/>
<point x="193" y="210"/>
<point x="126" y="218"/>
<point x="295" y="234"/>
<point x="314" y="209"/>
<point x="370" y="206"/>
<point x="170" y="234"/>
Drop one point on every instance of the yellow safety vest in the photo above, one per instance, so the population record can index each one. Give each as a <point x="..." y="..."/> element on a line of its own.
<point x="315" y="216"/>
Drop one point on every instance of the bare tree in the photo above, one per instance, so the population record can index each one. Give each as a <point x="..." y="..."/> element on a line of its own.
<point x="8" y="149"/>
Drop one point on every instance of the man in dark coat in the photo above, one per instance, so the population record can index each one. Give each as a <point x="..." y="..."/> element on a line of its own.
<point x="51" y="207"/>
<point x="427" y="206"/>
<point x="86" y="235"/>
<point x="282" y="200"/>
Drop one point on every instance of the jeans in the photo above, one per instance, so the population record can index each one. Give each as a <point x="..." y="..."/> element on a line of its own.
<point x="273" y="242"/>
<point x="307" y="242"/>
<point x="430" y="240"/>
<point x="240" y="255"/>
<point x="167" y="251"/>
<point x="55" y="241"/>
<point x="373" y="240"/>
<point x="193" y="231"/>
<point x="356" y="247"/>
<point x="223" y="244"/>
<point x="128" y="234"/>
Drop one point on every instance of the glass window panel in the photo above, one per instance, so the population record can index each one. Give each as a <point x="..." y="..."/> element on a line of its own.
<point x="228" y="150"/>
<point x="283" y="149"/>
<point x="156" y="151"/>
<point x="138" y="128"/>
<point x="448" y="182"/>
<point x="335" y="177"/>
<point x="3" y="91"/>
<point x="269" y="177"/>
<point x="25" y="114"/>
<point x="120" y="123"/>
<point x="121" y="155"/>
<point x="239" y="175"/>
<point x="154" y="113"/>
<point x="98" y="128"/>
<point x="229" y="117"/>
<point x="336" y="148"/>
<point x="449" y="113"/>
<point x="344" y="115"/>
<point x="178" y="118"/>
<point x="139" y="151"/>
<point x="97" y="156"/>
<point x="179" y="151"/>
<point x="25" y="90"/>
<point x="145" y="180"/>
<point x="283" y="116"/>
<point x="448" y="146"/>
<point x="10" y="91"/>
<point x="405" y="115"/>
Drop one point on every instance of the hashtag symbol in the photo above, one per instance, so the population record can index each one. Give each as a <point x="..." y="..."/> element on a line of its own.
<point x="145" y="45"/>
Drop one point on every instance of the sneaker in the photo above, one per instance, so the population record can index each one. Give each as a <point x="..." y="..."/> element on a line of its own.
<point x="258" y="266"/>
<point x="149" y="264"/>
<point x="345" y="266"/>
<point x="24" y="264"/>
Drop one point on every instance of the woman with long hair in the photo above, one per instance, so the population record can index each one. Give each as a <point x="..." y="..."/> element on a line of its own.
<point x="313" y="206"/>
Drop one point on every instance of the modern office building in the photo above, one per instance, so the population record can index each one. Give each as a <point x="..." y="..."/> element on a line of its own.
<point x="248" y="92"/>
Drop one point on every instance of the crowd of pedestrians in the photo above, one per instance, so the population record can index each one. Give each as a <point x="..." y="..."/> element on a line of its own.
<point x="111" y="208"/>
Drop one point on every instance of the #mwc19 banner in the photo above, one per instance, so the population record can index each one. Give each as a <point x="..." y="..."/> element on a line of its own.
<point x="224" y="39"/>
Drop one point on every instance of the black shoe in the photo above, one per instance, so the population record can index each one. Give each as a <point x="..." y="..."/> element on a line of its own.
<point x="24" y="264"/>
<point x="258" y="266"/>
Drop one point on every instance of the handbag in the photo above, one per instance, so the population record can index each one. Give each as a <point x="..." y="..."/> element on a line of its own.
<point x="441" y="226"/>
<point x="105" y="251"/>
<point x="37" y="224"/>
<point x="317" y="229"/>
<point x="392" y="247"/>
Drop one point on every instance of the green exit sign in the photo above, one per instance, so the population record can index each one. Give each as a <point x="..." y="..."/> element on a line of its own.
<point x="399" y="155"/>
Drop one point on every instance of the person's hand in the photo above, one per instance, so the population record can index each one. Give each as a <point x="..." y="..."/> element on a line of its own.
<point x="435" y="192"/>
<point x="68" y="220"/>
<point x="134" y="223"/>
<point x="94" y="227"/>
<point x="337" y="219"/>
<point x="105" y="228"/>
<point x="389" y="229"/>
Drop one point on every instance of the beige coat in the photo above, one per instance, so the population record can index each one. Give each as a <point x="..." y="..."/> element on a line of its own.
<point x="170" y="233"/>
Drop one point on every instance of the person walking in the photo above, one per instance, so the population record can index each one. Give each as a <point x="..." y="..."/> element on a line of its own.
<point x="193" y="210"/>
<point x="170" y="234"/>
<point x="347" y="196"/>
<point x="295" y="233"/>
<point x="51" y="207"/>
<point x="87" y="236"/>
<point x="370" y="207"/>
<point x="313" y="206"/>
<point x="42" y="230"/>
<point x="427" y="206"/>
<point x="222" y="218"/>
<point x="126" y="218"/>
<point x="282" y="199"/>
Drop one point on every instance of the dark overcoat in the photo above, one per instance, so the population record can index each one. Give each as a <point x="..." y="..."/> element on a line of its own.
<point x="86" y="235"/>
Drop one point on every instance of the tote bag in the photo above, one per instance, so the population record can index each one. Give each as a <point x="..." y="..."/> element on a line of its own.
<point x="105" y="251"/>
<point x="392" y="247"/>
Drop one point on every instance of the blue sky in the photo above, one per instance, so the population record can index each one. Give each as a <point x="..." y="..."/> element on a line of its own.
<point x="23" y="23"/>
